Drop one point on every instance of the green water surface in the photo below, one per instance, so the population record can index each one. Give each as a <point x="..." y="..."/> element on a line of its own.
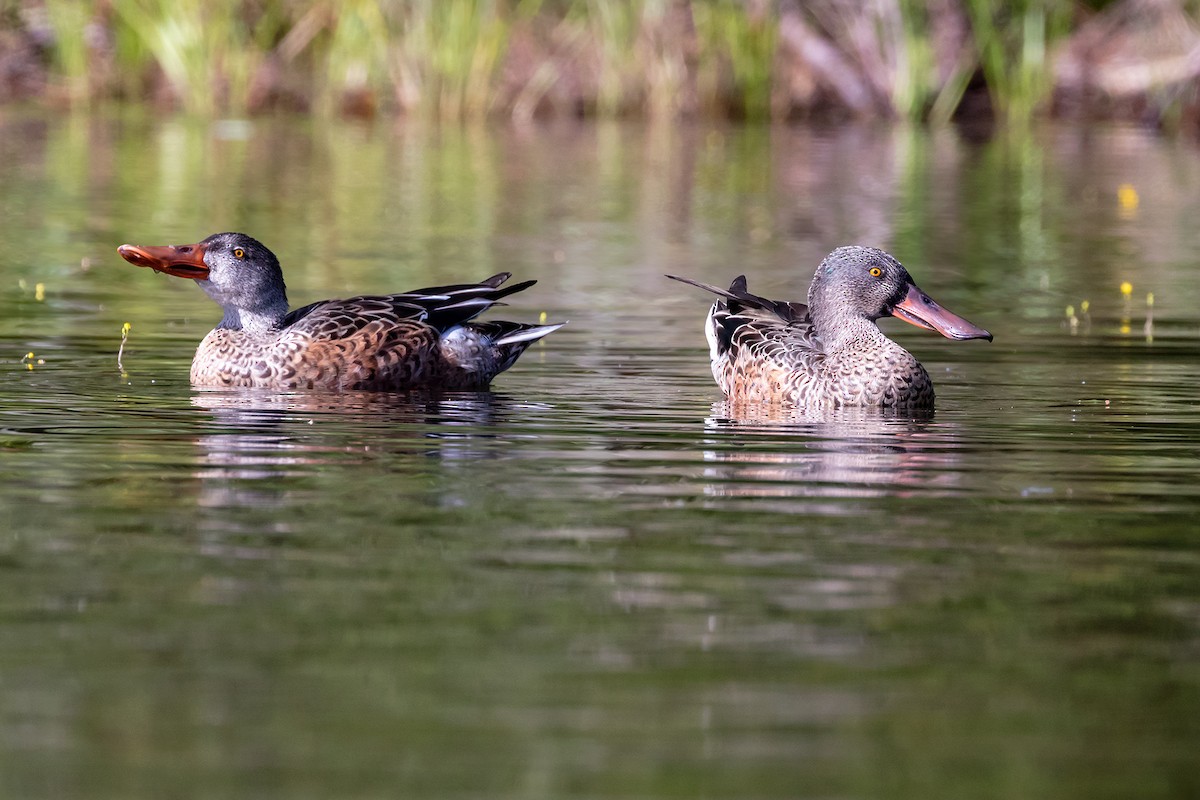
<point x="597" y="580"/>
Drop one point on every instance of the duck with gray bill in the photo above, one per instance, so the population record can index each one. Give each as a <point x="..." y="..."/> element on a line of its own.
<point x="829" y="352"/>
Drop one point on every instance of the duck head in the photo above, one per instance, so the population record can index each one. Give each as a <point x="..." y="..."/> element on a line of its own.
<point x="866" y="283"/>
<point x="237" y="271"/>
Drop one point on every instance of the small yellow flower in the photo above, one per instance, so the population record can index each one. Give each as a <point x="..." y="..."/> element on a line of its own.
<point x="1150" y="299"/>
<point x="1126" y="288"/>
<point x="121" y="350"/>
<point x="1127" y="196"/>
<point x="39" y="292"/>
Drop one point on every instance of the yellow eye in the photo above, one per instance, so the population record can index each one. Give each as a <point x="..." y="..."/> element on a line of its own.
<point x="239" y="252"/>
<point x="875" y="271"/>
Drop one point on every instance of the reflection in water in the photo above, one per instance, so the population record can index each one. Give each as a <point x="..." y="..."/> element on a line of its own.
<point x="262" y="436"/>
<point x="603" y="596"/>
<point x="264" y="423"/>
<point x="853" y="452"/>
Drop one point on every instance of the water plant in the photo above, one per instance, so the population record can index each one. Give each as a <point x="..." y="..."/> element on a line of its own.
<point x="737" y="42"/>
<point x="440" y="56"/>
<point x="913" y="59"/>
<point x="203" y="49"/>
<point x="69" y="20"/>
<point x="1012" y="41"/>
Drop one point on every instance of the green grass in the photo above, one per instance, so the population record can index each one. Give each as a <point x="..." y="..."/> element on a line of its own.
<point x="69" y="20"/>
<point x="204" y="49"/>
<point x="451" y="58"/>
<point x="1013" y="45"/>
<point x="737" y="61"/>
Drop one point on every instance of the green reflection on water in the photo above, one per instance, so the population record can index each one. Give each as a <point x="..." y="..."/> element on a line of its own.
<point x="590" y="583"/>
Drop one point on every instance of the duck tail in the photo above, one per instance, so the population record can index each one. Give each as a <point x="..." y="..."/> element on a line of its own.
<point x="738" y="299"/>
<point x="485" y="349"/>
<point x="508" y="340"/>
<point x="524" y="334"/>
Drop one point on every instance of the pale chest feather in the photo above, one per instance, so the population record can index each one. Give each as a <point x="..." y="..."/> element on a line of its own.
<point x="886" y="375"/>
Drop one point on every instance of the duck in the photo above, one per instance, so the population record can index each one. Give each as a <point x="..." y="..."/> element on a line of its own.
<point x="829" y="352"/>
<point x="422" y="339"/>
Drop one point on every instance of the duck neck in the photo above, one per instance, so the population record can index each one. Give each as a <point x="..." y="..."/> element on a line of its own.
<point x="841" y="331"/>
<point x="258" y="306"/>
<point x="261" y="319"/>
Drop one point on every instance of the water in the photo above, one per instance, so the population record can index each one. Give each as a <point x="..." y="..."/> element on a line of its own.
<point x="599" y="580"/>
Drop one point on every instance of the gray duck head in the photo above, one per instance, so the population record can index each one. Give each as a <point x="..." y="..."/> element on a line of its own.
<point x="237" y="271"/>
<point x="862" y="283"/>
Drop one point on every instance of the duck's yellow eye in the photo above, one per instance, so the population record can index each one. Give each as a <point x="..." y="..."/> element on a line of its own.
<point x="239" y="252"/>
<point x="875" y="271"/>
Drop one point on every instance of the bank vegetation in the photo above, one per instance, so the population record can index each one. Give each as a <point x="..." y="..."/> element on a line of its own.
<point x="924" y="60"/>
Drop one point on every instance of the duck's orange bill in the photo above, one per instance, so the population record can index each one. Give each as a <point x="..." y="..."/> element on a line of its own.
<point x="918" y="308"/>
<point x="182" y="260"/>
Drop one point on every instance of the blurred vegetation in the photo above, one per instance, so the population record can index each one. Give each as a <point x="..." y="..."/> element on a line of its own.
<point x="756" y="59"/>
<point x="1012" y="41"/>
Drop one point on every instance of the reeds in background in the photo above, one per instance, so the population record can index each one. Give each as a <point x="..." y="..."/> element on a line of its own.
<point x="737" y="49"/>
<point x="1012" y="41"/>
<point x="69" y="21"/>
<point x="206" y="51"/>
<point x="446" y="54"/>
<point x="752" y="59"/>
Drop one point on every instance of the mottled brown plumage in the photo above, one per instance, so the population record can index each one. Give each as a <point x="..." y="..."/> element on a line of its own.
<point x="419" y="339"/>
<point x="829" y="352"/>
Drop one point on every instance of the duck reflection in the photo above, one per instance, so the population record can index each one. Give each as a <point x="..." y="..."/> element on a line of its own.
<point x="268" y="429"/>
<point x="852" y="452"/>
<point x="259" y="442"/>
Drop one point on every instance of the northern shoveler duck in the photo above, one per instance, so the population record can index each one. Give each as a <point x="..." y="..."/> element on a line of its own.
<point x="829" y="352"/>
<point x="419" y="339"/>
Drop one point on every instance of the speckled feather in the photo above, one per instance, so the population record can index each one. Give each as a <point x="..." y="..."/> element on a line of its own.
<point x="419" y="339"/>
<point x="764" y="356"/>
<point x="402" y="341"/>
<point x="772" y="351"/>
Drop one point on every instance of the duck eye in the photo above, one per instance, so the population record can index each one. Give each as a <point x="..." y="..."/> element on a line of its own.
<point x="875" y="271"/>
<point x="239" y="252"/>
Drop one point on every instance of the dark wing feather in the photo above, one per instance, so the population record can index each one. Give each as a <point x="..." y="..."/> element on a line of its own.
<point x="738" y="299"/>
<point x="440" y="307"/>
<point x="768" y="338"/>
<point x="337" y="319"/>
<point x="769" y="330"/>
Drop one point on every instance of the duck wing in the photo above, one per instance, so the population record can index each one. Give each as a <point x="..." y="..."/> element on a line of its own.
<point x="776" y="330"/>
<point x="438" y="307"/>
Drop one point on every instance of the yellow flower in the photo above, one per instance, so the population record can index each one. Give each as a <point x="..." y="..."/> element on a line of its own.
<point x="1127" y="196"/>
